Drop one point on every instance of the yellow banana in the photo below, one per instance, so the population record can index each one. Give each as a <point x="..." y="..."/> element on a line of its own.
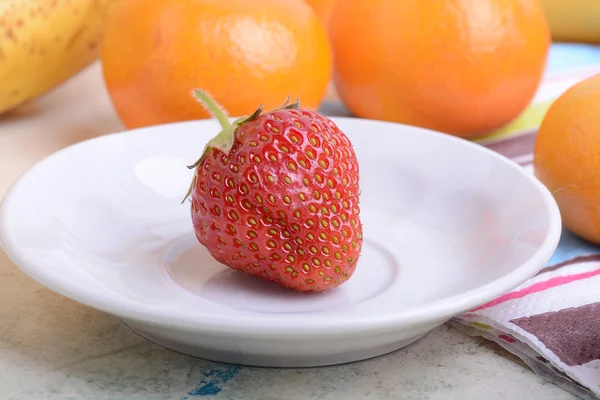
<point x="45" y="42"/>
<point x="574" y="20"/>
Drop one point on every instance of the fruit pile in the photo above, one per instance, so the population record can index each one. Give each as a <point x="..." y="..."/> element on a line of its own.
<point x="457" y="66"/>
<point x="278" y="190"/>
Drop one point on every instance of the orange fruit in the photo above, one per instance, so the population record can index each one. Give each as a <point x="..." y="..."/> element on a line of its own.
<point x="245" y="53"/>
<point x="566" y="157"/>
<point x="463" y="67"/>
<point x="323" y="9"/>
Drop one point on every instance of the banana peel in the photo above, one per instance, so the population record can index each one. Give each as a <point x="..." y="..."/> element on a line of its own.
<point x="45" y="42"/>
<point x="573" y="20"/>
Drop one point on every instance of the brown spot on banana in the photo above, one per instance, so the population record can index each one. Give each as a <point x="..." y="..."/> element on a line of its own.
<point x="75" y="36"/>
<point x="10" y="34"/>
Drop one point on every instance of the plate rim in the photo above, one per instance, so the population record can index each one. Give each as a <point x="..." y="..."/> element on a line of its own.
<point x="432" y="312"/>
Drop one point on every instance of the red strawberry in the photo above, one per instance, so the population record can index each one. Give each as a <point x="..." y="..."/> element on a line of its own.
<point x="275" y="195"/>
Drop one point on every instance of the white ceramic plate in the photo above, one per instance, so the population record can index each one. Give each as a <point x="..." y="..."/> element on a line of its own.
<point x="448" y="226"/>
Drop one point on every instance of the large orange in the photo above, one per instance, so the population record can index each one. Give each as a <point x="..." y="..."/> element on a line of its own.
<point x="155" y="52"/>
<point x="460" y="66"/>
<point x="567" y="157"/>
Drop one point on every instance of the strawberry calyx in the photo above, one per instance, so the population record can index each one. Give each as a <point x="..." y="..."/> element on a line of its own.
<point x="223" y="141"/>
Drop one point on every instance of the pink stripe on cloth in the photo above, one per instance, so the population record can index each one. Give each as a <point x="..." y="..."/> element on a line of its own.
<point x="539" y="287"/>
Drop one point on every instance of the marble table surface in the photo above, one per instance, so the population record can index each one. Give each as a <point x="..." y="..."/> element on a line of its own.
<point x="54" y="348"/>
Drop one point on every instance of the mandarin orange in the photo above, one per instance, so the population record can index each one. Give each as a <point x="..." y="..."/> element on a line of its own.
<point x="155" y="52"/>
<point x="464" y="67"/>
<point x="567" y="157"/>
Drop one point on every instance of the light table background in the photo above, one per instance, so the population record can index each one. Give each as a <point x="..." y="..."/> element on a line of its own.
<point x="54" y="348"/>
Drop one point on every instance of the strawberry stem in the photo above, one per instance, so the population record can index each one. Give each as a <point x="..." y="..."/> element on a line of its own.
<point x="213" y="107"/>
<point x="223" y="141"/>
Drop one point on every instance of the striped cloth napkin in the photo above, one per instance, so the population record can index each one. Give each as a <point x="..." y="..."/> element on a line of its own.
<point x="552" y="321"/>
